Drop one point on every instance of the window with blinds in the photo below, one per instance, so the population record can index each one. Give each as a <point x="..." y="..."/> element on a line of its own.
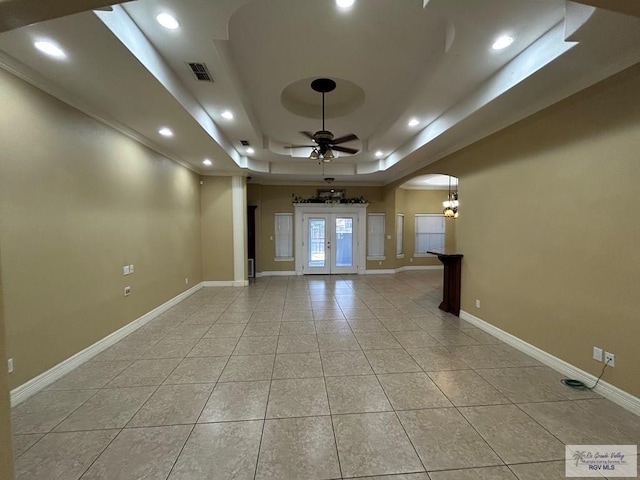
<point x="375" y="236"/>
<point x="284" y="236"/>
<point x="400" y="234"/>
<point x="429" y="232"/>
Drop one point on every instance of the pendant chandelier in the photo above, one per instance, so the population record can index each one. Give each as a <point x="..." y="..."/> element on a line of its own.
<point x="451" y="204"/>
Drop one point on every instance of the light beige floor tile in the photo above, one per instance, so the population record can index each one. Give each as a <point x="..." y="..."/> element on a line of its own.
<point x="297" y="344"/>
<point x="214" y="347"/>
<point x="125" y="350"/>
<point x="225" y="330"/>
<point x="198" y="370"/>
<point x="267" y="314"/>
<point x="518" y="386"/>
<point x="415" y="339"/>
<point x="480" y="356"/>
<point x="623" y="420"/>
<point x="400" y="325"/>
<point x="139" y="453"/>
<point x="467" y="388"/>
<point x="434" y="359"/>
<point x="261" y="329"/>
<point x="361" y="325"/>
<point x="451" y="337"/>
<point x="143" y="373"/>
<point x="335" y="342"/>
<point x="356" y="394"/>
<point x="90" y="375"/>
<point x="171" y="348"/>
<point x="377" y="340"/>
<point x="297" y="365"/>
<point x="188" y="331"/>
<point x="408" y="391"/>
<point x="22" y="443"/>
<point x="42" y="412"/>
<point x="298" y="328"/>
<point x="394" y="360"/>
<point x="256" y="345"/>
<point x="566" y="420"/>
<point x="407" y="476"/>
<point x="514" y="356"/>
<point x="481" y="337"/>
<point x="542" y="471"/>
<point x="109" y="408"/>
<point x="173" y="405"/>
<point x="345" y="363"/>
<point x="328" y="314"/>
<point x="296" y="314"/>
<point x="302" y="397"/>
<point x="248" y="368"/>
<point x="361" y="312"/>
<point x="513" y="435"/>
<point x="300" y="448"/>
<point x="445" y="440"/>
<point x="236" y="401"/>
<point x="374" y="444"/>
<point x="62" y="456"/>
<point x="487" y="473"/>
<point x="220" y="451"/>
<point x="332" y="326"/>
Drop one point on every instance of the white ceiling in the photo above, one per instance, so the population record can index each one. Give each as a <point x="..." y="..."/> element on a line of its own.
<point x="393" y="60"/>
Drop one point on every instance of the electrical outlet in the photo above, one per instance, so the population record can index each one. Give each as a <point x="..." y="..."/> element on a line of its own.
<point x="186" y="281"/>
<point x="477" y="303"/>
<point x="379" y="263"/>
<point x="411" y="259"/>
<point x="10" y="365"/>
<point x="597" y="354"/>
<point x="610" y="359"/>
<point x="127" y="291"/>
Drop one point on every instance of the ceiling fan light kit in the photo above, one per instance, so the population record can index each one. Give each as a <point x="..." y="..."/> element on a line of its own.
<point x="324" y="142"/>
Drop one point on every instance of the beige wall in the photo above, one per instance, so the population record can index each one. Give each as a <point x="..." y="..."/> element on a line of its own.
<point x="6" y="452"/>
<point x="78" y="201"/>
<point x="271" y="199"/>
<point x="217" y="228"/>
<point x="549" y="227"/>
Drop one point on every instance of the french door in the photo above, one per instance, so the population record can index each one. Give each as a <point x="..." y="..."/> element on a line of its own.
<point x="330" y="243"/>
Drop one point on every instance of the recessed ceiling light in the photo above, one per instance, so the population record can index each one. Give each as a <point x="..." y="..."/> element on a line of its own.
<point x="50" y="48"/>
<point x="414" y="122"/>
<point x="379" y="153"/>
<point x="165" y="132"/>
<point x="345" y="3"/>
<point x="227" y="114"/>
<point x="250" y="150"/>
<point x="167" y="21"/>
<point x="207" y="162"/>
<point x="502" y="42"/>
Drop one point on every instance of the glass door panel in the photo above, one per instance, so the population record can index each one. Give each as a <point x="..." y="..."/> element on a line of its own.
<point x="317" y="242"/>
<point x="344" y="242"/>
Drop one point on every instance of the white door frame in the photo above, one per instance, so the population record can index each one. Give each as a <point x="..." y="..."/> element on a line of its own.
<point x="359" y="210"/>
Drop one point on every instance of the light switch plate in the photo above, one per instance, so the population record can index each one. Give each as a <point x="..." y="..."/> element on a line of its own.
<point x="126" y="270"/>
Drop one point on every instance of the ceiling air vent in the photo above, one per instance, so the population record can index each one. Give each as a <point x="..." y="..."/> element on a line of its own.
<point x="244" y="143"/>
<point x="200" y="71"/>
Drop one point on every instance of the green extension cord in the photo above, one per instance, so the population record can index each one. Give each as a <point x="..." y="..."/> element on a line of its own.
<point x="577" y="384"/>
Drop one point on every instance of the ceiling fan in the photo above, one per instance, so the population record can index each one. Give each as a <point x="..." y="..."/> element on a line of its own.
<point x="324" y="142"/>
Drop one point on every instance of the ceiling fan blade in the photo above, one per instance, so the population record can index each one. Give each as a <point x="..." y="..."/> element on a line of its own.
<point x="300" y="146"/>
<point x="309" y="135"/>
<point x="346" y="138"/>
<point x="344" y="149"/>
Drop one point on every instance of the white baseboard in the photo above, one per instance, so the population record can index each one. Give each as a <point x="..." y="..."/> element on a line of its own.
<point x="616" y="395"/>
<point x="419" y="267"/>
<point x="33" y="386"/>
<point x="225" y="283"/>
<point x="382" y="271"/>
<point x="276" y="274"/>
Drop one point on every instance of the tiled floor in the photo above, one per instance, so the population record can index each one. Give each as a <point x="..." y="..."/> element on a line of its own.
<point x="311" y="378"/>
